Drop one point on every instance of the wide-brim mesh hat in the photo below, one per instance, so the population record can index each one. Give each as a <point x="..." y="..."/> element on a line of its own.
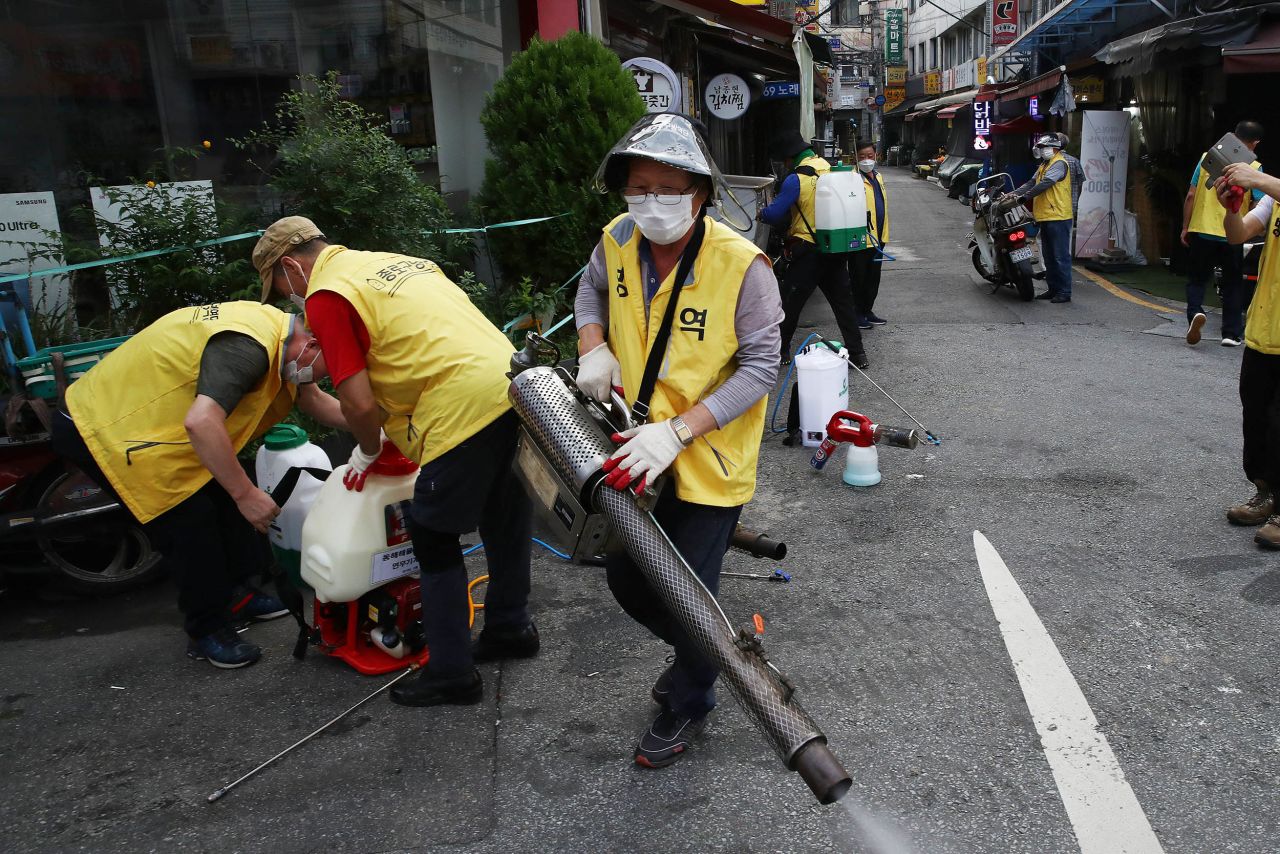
<point x="280" y="237"/>
<point x="668" y="138"/>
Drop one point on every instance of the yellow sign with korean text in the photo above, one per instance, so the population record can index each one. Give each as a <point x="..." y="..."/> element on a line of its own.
<point x="893" y="97"/>
<point x="980" y="70"/>
<point x="933" y="83"/>
<point x="1088" y="90"/>
<point x="895" y="75"/>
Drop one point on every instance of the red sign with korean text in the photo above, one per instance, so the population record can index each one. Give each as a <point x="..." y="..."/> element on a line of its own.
<point x="1004" y="22"/>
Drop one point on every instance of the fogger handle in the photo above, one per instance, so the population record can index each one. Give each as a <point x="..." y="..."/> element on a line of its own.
<point x="756" y="544"/>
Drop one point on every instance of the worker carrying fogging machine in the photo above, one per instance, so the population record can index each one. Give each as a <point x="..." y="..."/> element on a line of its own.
<point x="563" y="444"/>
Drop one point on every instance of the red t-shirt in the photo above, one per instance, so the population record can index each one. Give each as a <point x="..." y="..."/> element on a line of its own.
<point x="343" y="337"/>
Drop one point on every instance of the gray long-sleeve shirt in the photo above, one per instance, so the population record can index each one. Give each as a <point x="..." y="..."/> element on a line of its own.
<point x="756" y="321"/>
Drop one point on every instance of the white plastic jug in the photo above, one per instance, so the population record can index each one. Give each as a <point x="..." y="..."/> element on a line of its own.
<point x="840" y="211"/>
<point x="354" y="541"/>
<point x="284" y="447"/>
<point x="822" y="377"/>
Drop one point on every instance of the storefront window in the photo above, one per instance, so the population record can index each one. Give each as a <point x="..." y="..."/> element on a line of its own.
<point x="94" y="93"/>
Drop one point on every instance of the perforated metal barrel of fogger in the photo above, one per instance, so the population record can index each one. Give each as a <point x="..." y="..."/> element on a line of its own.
<point x="576" y="447"/>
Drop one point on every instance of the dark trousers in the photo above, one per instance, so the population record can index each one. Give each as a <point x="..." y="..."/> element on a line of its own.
<point x="1260" y="402"/>
<point x="812" y="269"/>
<point x="1202" y="257"/>
<point x="1055" y="251"/>
<point x="701" y="534"/>
<point x="864" y="278"/>
<point x="467" y="487"/>
<point x="207" y="545"/>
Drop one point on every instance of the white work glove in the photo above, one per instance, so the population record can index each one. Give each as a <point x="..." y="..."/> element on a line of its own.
<point x="598" y="371"/>
<point x="649" y="450"/>
<point x="358" y="470"/>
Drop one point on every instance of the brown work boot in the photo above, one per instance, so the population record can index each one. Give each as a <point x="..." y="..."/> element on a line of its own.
<point x="1256" y="510"/>
<point x="1268" y="535"/>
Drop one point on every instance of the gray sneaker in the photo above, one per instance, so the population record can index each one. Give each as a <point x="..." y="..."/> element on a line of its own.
<point x="1256" y="510"/>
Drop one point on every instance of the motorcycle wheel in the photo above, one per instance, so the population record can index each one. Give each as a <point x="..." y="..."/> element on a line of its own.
<point x="105" y="556"/>
<point x="1023" y="281"/>
<point x="977" y="265"/>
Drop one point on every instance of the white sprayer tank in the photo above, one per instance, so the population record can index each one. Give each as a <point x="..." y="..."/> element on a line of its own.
<point x="354" y="541"/>
<point x="840" y="211"/>
<point x="284" y="447"/>
<point x="823" y="379"/>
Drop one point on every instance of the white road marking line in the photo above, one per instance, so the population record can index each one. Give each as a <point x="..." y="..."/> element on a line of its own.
<point x="1103" y="809"/>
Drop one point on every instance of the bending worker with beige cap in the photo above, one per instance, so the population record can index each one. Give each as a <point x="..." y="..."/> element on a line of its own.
<point x="412" y="357"/>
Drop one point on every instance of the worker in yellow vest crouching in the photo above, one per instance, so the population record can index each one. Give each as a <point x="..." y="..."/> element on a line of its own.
<point x="159" y="423"/>
<point x="679" y="314"/>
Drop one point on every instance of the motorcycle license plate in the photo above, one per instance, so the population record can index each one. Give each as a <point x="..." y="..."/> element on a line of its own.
<point x="1023" y="254"/>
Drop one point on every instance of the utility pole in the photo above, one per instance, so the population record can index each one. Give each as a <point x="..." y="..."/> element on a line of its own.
<point x="878" y="64"/>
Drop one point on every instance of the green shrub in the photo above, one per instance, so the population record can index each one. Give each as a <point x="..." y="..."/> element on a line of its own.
<point x="550" y="120"/>
<point x="334" y="162"/>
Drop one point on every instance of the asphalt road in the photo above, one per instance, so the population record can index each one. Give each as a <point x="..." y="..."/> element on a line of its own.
<point x="1093" y="448"/>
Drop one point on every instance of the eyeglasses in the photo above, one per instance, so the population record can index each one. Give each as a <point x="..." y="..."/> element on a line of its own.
<point x="663" y="195"/>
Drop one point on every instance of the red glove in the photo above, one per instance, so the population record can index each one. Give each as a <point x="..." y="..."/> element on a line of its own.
<point x="1235" y="198"/>
<point x="357" y="470"/>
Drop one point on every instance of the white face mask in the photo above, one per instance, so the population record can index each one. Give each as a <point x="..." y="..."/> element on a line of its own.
<point x="300" y="376"/>
<point x="662" y="224"/>
<point x="866" y="165"/>
<point x="1047" y="152"/>
<point x="296" y="298"/>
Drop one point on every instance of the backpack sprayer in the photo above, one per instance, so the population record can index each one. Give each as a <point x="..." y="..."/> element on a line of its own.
<point x="564" y="441"/>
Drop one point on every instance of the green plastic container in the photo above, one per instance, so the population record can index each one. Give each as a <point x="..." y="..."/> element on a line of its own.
<point x="37" y="370"/>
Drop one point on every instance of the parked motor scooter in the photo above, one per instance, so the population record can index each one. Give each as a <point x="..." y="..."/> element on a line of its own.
<point x="1001" y="254"/>
<point x="55" y="519"/>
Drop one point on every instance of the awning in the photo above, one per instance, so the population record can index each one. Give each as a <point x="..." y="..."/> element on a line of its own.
<point x="911" y="117"/>
<point x="1058" y="28"/>
<point x="1021" y="125"/>
<point x="741" y="18"/>
<point x="1043" y="83"/>
<point x="948" y="100"/>
<point x="1260" y="56"/>
<point x="1136" y="54"/>
<point x="949" y="112"/>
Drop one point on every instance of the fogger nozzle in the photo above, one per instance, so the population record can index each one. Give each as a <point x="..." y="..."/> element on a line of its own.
<point x="818" y="766"/>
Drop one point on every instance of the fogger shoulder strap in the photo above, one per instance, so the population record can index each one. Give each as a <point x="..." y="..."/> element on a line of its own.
<point x="812" y="173"/>
<point x="640" y="409"/>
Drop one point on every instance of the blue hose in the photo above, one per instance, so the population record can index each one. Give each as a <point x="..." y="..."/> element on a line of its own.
<point x="782" y="392"/>
<point x="478" y="546"/>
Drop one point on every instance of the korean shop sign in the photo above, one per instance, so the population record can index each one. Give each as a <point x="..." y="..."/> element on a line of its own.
<point x="895" y="34"/>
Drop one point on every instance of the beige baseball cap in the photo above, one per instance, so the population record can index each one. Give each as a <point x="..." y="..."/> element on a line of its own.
<point x="281" y="236"/>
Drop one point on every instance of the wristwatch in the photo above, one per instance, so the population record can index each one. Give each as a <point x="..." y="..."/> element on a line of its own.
<point x="683" y="433"/>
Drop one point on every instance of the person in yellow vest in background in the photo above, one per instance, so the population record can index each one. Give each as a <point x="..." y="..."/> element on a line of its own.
<point x="1203" y="235"/>
<point x="865" y="265"/>
<point x="1049" y="192"/>
<point x="159" y="423"/>
<point x="1260" y="366"/>
<point x="411" y="356"/>
<point x="707" y="387"/>
<point x="794" y="209"/>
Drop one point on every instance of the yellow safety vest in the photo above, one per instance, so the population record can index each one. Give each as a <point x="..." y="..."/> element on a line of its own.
<point x="883" y="235"/>
<point x="1262" y="327"/>
<point x="719" y="468"/>
<point x="130" y="407"/>
<point x="808" y="191"/>
<point x="1054" y="203"/>
<point x="1206" y="211"/>
<point x="436" y="364"/>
